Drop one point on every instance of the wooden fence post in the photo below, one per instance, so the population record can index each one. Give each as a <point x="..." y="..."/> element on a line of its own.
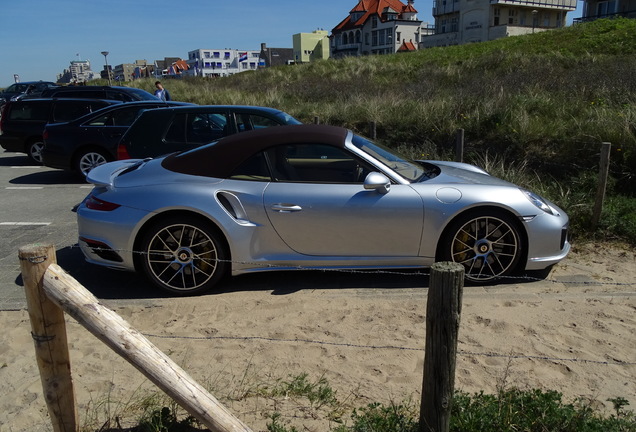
<point x="316" y="120"/>
<point x="49" y="336"/>
<point x="373" y="130"/>
<point x="459" y="146"/>
<point x="602" y="183"/>
<point x="129" y="343"/>
<point x="443" y="310"/>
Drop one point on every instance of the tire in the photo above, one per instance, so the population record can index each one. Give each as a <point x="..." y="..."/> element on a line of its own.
<point x="183" y="255"/>
<point x="34" y="150"/>
<point x="89" y="159"/>
<point x="487" y="243"/>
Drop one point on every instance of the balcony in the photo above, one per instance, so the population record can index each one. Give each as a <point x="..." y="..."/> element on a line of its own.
<point x="543" y="4"/>
<point x="627" y="14"/>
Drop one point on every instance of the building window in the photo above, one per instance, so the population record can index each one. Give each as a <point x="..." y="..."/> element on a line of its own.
<point x="366" y="38"/>
<point x="512" y="13"/>
<point x="374" y="38"/>
<point x="389" y="36"/>
<point x="374" y="22"/>
<point x="216" y="54"/>
<point x="497" y="13"/>
<point x="382" y="40"/>
<point x="606" y="8"/>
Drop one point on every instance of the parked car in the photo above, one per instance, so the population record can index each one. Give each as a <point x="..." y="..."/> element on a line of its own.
<point x="22" y="122"/>
<point x="311" y="197"/>
<point x="166" y="130"/>
<point x="124" y="94"/>
<point x="28" y="88"/>
<point x="82" y="144"/>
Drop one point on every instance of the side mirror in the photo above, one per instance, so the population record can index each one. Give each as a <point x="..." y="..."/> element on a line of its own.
<point x="377" y="181"/>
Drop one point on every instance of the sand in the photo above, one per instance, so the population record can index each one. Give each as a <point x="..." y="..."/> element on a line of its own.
<point x="574" y="332"/>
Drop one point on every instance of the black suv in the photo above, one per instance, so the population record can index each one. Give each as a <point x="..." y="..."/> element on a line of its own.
<point x="166" y="130"/>
<point x="124" y="94"/>
<point x="22" y="89"/>
<point x="22" y="122"/>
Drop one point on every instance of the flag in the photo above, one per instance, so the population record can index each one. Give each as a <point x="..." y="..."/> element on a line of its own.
<point x="243" y="57"/>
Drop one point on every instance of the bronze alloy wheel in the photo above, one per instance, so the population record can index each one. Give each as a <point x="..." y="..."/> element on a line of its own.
<point x="488" y="246"/>
<point x="184" y="257"/>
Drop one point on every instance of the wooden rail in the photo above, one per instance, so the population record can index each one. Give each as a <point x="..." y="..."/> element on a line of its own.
<point x="51" y="291"/>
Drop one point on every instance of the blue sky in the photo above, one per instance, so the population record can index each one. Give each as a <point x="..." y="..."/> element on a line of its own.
<point x="39" y="38"/>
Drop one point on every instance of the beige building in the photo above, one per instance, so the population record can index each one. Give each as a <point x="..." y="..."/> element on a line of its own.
<point x="311" y="46"/>
<point x="465" y="21"/>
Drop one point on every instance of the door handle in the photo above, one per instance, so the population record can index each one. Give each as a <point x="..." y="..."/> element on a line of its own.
<point x="286" y="208"/>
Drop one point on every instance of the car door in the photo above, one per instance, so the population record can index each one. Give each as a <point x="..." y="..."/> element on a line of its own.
<point x="318" y="209"/>
<point x="111" y="126"/>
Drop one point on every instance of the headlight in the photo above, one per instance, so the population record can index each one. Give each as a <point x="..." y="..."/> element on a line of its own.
<point x="539" y="202"/>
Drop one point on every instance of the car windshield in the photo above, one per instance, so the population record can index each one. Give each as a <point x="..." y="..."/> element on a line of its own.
<point x="410" y="170"/>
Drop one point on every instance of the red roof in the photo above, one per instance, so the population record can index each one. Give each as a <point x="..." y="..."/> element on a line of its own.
<point x="373" y="7"/>
<point x="407" y="46"/>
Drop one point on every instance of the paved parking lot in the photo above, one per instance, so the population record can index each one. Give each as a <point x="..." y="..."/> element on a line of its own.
<point x="36" y="208"/>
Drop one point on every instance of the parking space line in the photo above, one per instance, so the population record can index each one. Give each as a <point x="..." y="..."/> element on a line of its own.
<point x="25" y="223"/>
<point x="24" y="187"/>
<point x="27" y="166"/>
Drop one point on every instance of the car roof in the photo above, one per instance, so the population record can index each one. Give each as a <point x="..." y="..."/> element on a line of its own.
<point x="124" y="105"/>
<point x="220" y="158"/>
<point x="226" y="107"/>
<point x="64" y="100"/>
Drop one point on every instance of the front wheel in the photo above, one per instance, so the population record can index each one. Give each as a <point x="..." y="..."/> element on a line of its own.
<point x="487" y="244"/>
<point x="183" y="255"/>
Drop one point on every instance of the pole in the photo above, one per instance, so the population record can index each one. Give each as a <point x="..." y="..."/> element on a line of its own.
<point x="48" y="329"/>
<point x="443" y="311"/>
<point x="602" y="183"/>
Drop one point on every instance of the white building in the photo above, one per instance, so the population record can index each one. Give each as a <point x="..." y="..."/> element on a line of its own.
<point x="220" y="62"/>
<point x="78" y="72"/>
<point x="460" y="22"/>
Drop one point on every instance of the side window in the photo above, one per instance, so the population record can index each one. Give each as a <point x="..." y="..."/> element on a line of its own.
<point x="30" y="111"/>
<point x="203" y="128"/>
<point x="117" y="96"/>
<point x="125" y="117"/>
<point x="253" y="169"/>
<point x="177" y="129"/>
<point x="316" y="163"/>
<point x="259" y="122"/>
<point x="104" y="120"/>
<point x="63" y="112"/>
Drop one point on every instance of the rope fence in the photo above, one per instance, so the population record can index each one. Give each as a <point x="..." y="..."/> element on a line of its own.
<point x="391" y="347"/>
<point x="424" y="272"/>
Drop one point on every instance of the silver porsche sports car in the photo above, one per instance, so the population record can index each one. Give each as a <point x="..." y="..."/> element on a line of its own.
<point x="309" y="197"/>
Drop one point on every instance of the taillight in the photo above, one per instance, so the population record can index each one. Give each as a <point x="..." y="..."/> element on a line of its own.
<point x="122" y="152"/>
<point x="45" y="135"/>
<point x="95" y="203"/>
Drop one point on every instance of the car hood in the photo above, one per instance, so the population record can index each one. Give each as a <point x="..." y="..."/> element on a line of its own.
<point x="461" y="173"/>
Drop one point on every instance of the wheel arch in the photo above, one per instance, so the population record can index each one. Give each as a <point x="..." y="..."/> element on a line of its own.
<point x="169" y="214"/>
<point x="492" y="210"/>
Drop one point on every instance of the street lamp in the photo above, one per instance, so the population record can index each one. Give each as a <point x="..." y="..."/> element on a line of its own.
<point x="105" y="54"/>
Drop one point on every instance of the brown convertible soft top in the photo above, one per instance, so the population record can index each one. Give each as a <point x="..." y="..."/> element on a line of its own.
<point x="220" y="158"/>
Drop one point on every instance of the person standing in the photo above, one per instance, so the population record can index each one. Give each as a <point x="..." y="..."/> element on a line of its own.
<point x="161" y="92"/>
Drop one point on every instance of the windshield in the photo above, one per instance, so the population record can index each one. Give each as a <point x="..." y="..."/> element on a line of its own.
<point x="410" y="170"/>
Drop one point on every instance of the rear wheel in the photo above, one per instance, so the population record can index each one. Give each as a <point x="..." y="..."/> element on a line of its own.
<point x="34" y="150"/>
<point x="488" y="244"/>
<point x="89" y="159"/>
<point x="183" y="255"/>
